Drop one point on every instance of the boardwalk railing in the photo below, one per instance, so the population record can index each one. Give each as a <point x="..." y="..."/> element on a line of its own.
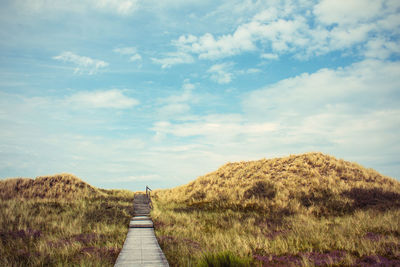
<point x="148" y="190"/>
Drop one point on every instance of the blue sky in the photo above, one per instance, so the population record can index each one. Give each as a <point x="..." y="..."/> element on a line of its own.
<point x="124" y="93"/>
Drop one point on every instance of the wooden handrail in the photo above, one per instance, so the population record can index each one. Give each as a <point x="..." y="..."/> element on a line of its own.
<point x="148" y="190"/>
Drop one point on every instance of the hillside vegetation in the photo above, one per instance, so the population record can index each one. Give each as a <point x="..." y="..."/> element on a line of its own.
<point x="60" y="220"/>
<point x="312" y="182"/>
<point x="310" y="209"/>
<point x="62" y="186"/>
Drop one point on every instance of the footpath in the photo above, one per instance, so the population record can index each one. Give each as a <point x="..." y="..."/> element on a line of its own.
<point x="141" y="247"/>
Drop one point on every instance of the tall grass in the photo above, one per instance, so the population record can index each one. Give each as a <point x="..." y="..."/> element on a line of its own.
<point x="61" y="221"/>
<point x="301" y="210"/>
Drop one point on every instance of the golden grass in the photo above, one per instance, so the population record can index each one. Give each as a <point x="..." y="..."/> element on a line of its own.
<point x="61" y="221"/>
<point x="310" y="209"/>
<point x="302" y="210"/>
<point x="63" y="186"/>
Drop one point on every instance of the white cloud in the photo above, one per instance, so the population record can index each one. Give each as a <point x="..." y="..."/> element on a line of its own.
<point x="126" y="50"/>
<point x="122" y="7"/>
<point x="266" y="15"/>
<point x="248" y="71"/>
<point x="119" y="7"/>
<point x="173" y="109"/>
<point x="173" y="58"/>
<point x="83" y="64"/>
<point x="177" y="104"/>
<point x="381" y="49"/>
<point x="282" y="34"/>
<point x="135" y="57"/>
<point x="390" y="22"/>
<point x="351" y="12"/>
<point x="351" y="111"/>
<point x="345" y="37"/>
<point x="220" y="73"/>
<point x="374" y="128"/>
<point x="215" y="127"/>
<point x="102" y="99"/>
<point x="252" y="71"/>
<point x="184" y="96"/>
<point x="300" y="29"/>
<point x="207" y="47"/>
<point x="269" y="56"/>
<point x="187" y="85"/>
<point x="364" y="84"/>
<point x="129" y="51"/>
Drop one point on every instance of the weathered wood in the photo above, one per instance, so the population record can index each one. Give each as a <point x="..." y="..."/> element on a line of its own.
<point x="141" y="247"/>
<point x="141" y="224"/>
<point x="140" y="218"/>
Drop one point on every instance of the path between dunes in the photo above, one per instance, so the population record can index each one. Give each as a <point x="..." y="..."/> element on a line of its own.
<point x="141" y="247"/>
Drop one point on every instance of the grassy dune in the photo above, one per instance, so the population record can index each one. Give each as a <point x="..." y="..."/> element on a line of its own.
<point x="303" y="210"/>
<point x="310" y="210"/>
<point x="61" y="221"/>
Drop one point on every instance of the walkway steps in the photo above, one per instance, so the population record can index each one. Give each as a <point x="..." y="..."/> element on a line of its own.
<point x="141" y="247"/>
<point x="141" y="223"/>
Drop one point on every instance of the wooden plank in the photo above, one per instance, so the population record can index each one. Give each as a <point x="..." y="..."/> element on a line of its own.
<point x="141" y="224"/>
<point x="140" y="219"/>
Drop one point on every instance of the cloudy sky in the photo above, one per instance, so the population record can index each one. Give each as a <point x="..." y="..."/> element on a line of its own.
<point x="124" y="93"/>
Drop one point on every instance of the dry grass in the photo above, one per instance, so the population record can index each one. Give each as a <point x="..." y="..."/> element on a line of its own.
<point x="309" y="209"/>
<point x="62" y="186"/>
<point x="61" y="221"/>
<point x="304" y="210"/>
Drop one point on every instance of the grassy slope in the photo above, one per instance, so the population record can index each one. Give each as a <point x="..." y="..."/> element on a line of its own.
<point x="63" y="186"/>
<point x="61" y="221"/>
<point x="309" y="209"/>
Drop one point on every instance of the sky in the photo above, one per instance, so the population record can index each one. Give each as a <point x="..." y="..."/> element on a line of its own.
<point x="129" y="93"/>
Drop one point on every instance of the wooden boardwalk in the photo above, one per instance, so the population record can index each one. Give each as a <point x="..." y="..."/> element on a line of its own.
<point x="141" y="247"/>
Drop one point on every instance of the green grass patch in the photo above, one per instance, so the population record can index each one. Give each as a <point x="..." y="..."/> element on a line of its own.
<point x="223" y="259"/>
